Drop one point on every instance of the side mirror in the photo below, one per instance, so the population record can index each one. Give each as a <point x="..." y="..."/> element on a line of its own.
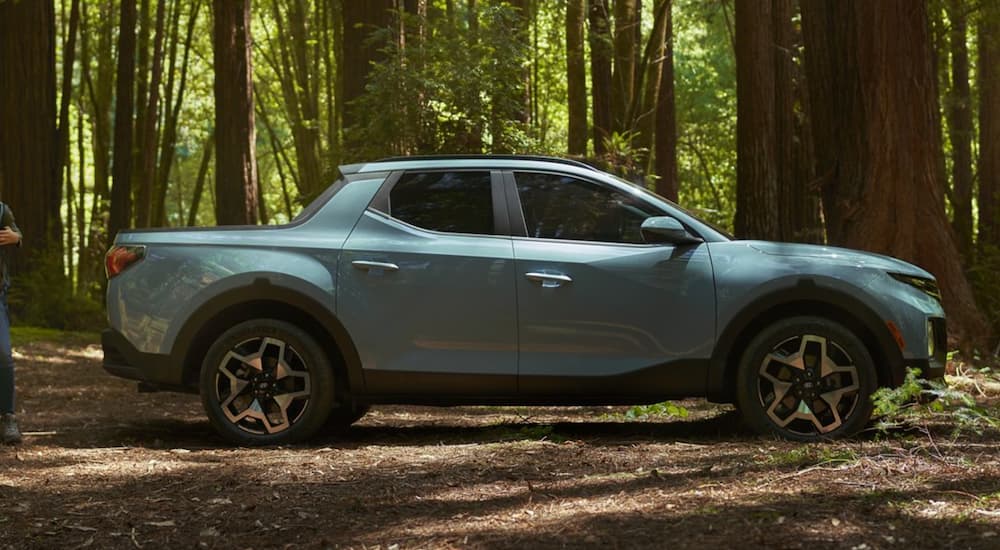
<point x="665" y="229"/>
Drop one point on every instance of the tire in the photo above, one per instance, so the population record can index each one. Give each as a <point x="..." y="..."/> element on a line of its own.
<point x="781" y="389"/>
<point x="266" y="382"/>
<point x="341" y="417"/>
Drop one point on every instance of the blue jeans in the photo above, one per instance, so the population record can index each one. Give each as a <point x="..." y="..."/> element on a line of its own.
<point x="6" y="359"/>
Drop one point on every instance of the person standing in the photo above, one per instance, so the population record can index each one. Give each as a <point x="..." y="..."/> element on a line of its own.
<point x="10" y="236"/>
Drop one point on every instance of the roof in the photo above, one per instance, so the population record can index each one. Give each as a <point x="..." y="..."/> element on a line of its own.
<point x="461" y="161"/>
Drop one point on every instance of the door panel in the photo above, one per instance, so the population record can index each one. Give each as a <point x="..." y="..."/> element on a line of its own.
<point x="429" y="312"/>
<point x="627" y="309"/>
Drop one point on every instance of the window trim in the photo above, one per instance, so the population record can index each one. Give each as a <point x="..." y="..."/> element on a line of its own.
<point x="518" y="219"/>
<point x="382" y="204"/>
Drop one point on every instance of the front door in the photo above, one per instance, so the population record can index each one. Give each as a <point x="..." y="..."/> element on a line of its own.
<point x="600" y="312"/>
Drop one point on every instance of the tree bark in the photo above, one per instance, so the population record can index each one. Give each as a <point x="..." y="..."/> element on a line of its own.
<point x="756" y="169"/>
<point x="66" y="93"/>
<point x="121" y="177"/>
<point x="148" y="140"/>
<point x="29" y="177"/>
<point x="665" y="135"/>
<point x="576" y="77"/>
<point x="360" y="19"/>
<point x="960" y="130"/>
<point x="199" y="184"/>
<point x="625" y="62"/>
<point x="601" y="52"/>
<point x="988" y="82"/>
<point x="235" y="156"/>
<point x="875" y="108"/>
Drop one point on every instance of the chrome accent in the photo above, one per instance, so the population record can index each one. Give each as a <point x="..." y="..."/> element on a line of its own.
<point x="367" y="265"/>
<point x="807" y="378"/>
<point x="262" y="385"/>
<point x="549" y="280"/>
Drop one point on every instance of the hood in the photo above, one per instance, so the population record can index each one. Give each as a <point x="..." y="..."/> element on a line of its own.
<point x="839" y="255"/>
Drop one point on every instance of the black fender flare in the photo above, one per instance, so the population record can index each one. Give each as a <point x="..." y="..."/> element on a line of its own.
<point x="191" y="335"/>
<point x="789" y="299"/>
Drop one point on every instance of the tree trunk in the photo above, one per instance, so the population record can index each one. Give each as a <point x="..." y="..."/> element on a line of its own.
<point x="665" y="135"/>
<point x="576" y="77"/>
<point x="359" y="52"/>
<point x="172" y="115"/>
<point x="875" y="108"/>
<point x="960" y="131"/>
<point x="601" y="51"/>
<point x="29" y="175"/>
<point x="235" y="156"/>
<point x="625" y="61"/>
<point x="148" y="140"/>
<point x="988" y="82"/>
<point x="199" y="184"/>
<point x="66" y="93"/>
<point x="121" y="188"/>
<point x="756" y="169"/>
<point x="642" y="115"/>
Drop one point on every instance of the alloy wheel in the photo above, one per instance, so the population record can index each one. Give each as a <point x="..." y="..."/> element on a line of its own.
<point x="808" y="385"/>
<point x="263" y="385"/>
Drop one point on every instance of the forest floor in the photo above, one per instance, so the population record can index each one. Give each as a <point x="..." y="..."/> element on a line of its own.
<point x="105" y="467"/>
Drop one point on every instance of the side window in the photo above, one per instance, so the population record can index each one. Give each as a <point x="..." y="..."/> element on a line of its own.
<point x="561" y="207"/>
<point x="453" y="202"/>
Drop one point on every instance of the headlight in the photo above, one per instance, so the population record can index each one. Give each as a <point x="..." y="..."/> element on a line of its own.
<point x="927" y="286"/>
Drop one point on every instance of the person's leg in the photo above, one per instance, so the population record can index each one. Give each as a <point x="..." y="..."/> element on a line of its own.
<point x="8" y="423"/>
<point x="6" y="360"/>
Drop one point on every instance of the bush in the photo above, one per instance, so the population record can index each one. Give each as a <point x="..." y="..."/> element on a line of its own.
<point x="44" y="297"/>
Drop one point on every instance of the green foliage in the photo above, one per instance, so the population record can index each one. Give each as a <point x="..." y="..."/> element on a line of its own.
<point x="666" y="409"/>
<point x="984" y="275"/>
<point x="917" y="400"/>
<point x="457" y="91"/>
<point x="44" y="297"/>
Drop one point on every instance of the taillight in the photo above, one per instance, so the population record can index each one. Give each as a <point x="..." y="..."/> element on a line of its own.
<point x="120" y="257"/>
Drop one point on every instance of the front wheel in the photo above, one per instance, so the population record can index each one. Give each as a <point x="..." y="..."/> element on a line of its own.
<point x="266" y="382"/>
<point x="807" y="379"/>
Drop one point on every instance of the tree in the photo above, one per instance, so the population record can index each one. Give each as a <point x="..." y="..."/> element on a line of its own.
<point x="874" y="109"/>
<point x="576" y="77"/>
<point x="959" y="112"/>
<point x="29" y="178"/>
<point x="756" y="172"/>
<point x="359" y="51"/>
<point x="601" y="51"/>
<point x="665" y="133"/>
<point x="626" y="53"/>
<point x="988" y="82"/>
<point x="235" y="156"/>
<point x="121" y="176"/>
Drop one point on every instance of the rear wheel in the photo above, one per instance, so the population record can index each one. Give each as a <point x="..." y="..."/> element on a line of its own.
<point x="806" y="378"/>
<point x="266" y="382"/>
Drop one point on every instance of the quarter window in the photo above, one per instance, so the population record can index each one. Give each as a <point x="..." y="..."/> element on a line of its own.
<point x="561" y="207"/>
<point x="452" y="202"/>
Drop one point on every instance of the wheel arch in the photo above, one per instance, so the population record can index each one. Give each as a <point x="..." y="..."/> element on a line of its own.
<point x="805" y="298"/>
<point x="263" y="299"/>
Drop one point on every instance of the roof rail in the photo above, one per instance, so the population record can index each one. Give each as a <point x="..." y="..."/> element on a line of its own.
<point x="541" y="158"/>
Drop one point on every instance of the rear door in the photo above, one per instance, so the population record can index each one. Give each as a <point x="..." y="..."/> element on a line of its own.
<point x="601" y="313"/>
<point x="426" y="286"/>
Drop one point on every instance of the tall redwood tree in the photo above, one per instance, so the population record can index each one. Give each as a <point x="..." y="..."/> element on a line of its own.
<point x="235" y="155"/>
<point x="874" y="110"/>
<point x="29" y="180"/>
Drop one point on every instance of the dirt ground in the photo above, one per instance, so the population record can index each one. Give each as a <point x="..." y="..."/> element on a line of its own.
<point x="105" y="467"/>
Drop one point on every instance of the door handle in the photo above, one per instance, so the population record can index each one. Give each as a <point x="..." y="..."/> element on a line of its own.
<point x="366" y="265"/>
<point x="549" y="280"/>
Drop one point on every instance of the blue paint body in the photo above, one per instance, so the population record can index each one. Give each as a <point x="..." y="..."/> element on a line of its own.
<point x="451" y="318"/>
